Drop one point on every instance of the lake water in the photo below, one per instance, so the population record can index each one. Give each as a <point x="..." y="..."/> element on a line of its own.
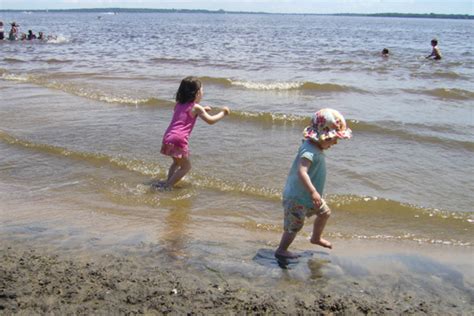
<point x="82" y="117"/>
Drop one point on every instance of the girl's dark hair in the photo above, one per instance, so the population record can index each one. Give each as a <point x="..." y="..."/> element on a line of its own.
<point x="188" y="90"/>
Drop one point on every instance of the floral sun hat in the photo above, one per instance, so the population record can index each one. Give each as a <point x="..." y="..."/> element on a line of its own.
<point x="325" y="124"/>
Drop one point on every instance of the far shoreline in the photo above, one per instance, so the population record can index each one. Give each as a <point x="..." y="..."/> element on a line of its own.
<point x="146" y="10"/>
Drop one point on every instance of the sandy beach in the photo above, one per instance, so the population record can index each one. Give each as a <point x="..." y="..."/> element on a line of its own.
<point x="43" y="281"/>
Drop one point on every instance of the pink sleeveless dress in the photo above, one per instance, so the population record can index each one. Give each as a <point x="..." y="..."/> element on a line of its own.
<point x="175" y="140"/>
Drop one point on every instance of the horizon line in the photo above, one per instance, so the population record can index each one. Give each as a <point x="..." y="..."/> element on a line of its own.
<point x="233" y="12"/>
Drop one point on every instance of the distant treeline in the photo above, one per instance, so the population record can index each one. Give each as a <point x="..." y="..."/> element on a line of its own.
<point x="138" y="10"/>
<point x="414" y="15"/>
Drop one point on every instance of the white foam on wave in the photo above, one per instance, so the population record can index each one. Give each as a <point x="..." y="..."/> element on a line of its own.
<point x="60" y="39"/>
<point x="268" y="86"/>
<point x="71" y="88"/>
<point x="14" y="77"/>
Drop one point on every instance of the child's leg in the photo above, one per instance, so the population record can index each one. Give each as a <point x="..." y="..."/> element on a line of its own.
<point x="160" y="183"/>
<point x="183" y="165"/>
<point x="294" y="215"/>
<point x="318" y="227"/>
<point x="285" y="242"/>
<point x="172" y="169"/>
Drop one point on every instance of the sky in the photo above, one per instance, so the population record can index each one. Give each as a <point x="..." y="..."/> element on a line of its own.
<point x="272" y="6"/>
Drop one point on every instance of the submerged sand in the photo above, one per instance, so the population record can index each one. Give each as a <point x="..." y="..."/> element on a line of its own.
<point x="46" y="281"/>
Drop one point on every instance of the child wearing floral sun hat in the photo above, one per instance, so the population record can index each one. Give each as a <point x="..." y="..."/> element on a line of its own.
<point x="305" y="183"/>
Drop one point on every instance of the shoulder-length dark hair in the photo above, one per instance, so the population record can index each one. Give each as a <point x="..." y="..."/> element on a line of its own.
<point x="188" y="90"/>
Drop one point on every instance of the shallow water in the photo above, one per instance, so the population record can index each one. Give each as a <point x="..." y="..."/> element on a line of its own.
<point x="81" y="121"/>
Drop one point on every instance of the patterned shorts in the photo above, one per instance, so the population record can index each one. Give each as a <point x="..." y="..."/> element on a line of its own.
<point x="172" y="150"/>
<point x="295" y="214"/>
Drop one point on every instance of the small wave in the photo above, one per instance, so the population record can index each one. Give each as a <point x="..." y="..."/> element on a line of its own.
<point x="174" y="60"/>
<point x="356" y="209"/>
<point x="445" y="93"/>
<point x="457" y="94"/>
<point x="93" y="158"/>
<point x="379" y="128"/>
<point x="142" y="167"/>
<point x="291" y="85"/>
<point x="443" y="75"/>
<point x="268" y="86"/>
<point x="272" y="118"/>
<point x="234" y="187"/>
<point x="196" y="62"/>
<point x="13" y="77"/>
<point x="13" y="60"/>
<point x="390" y="128"/>
<point x="165" y="60"/>
<point x="404" y="237"/>
<point x="158" y="103"/>
<point x="415" y="219"/>
<point x="447" y="75"/>
<point x="83" y="92"/>
<point x="57" y="61"/>
<point x="216" y="80"/>
<point x="304" y="86"/>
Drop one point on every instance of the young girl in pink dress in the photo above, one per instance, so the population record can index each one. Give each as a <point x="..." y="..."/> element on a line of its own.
<point x="175" y="140"/>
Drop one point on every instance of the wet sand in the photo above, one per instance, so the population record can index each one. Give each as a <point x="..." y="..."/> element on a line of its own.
<point x="44" y="280"/>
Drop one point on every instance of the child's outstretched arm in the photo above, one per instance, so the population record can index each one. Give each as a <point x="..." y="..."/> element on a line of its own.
<point x="202" y="112"/>
<point x="304" y="177"/>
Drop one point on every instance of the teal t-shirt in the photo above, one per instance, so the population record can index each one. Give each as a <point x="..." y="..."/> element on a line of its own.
<point x="294" y="188"/>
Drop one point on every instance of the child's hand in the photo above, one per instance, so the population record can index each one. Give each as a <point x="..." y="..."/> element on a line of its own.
<point x="226" y="110"/>
<point x="207" y="108"/>
<point x="316" y="199"/>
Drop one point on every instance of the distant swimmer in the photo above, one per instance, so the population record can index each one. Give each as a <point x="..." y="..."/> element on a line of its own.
<point x="2" y="31"/>
<point x="385" y="52"/>
<point x="31" y="35"/>
<point x="13" y="34"/>
<point x="41" y="36"/>
<point x="435" y="52"/>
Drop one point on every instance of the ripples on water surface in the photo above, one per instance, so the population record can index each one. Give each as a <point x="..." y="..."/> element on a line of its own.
<point x="82" y="119"/>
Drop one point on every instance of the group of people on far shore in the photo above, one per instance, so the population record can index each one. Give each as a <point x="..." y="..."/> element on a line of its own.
<point x="435" y="52"/>
<point x="14" y="34"/>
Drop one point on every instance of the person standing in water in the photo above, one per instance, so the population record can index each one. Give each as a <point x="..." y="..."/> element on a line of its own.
<point x="302" y="196"/>
<point x="31" y="35"/>
<point x="175" y="139"/>
<point x="13" y="34"/>
<point x="435" y="52"/>
<point x="2" y="31"/>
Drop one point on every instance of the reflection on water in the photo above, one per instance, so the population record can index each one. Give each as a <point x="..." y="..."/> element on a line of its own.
<point x="314" y="262"/>
<point x="174" y="238"/>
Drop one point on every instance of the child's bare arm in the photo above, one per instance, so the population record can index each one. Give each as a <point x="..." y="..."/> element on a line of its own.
<point x="202" y="112"/>
<point x="304" y="177"/>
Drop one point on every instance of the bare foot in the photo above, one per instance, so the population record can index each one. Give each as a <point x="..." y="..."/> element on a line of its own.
<point x="161" y="186"/>
<point x="286" y="254"/>
<point x="322" y="242"/>
<point x="156" y="183"/>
